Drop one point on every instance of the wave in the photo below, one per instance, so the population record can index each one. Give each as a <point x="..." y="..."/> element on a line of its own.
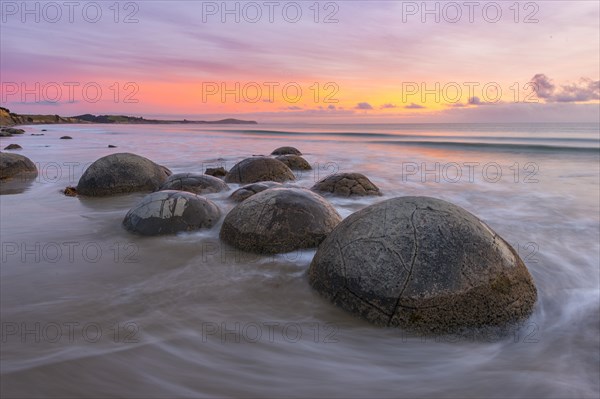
<point x="490" y="146"/>
<point x="363" y="134"/>
<point x="485" y="142"/>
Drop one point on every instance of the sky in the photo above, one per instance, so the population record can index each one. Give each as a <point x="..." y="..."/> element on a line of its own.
<point x="308" y="61"/>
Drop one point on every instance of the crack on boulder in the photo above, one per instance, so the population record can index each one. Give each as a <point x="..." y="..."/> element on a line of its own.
<point x="412" y="262"/>
<point x="339" y="247"/>
<point x="363" y="300"/>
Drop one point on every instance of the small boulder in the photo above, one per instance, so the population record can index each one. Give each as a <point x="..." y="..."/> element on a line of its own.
<point x="121" y="173"/>
<point x="12" y="130"/>
<point x="294" y="162"/>
<point x="15" y="165"/>
<point x="286" y="151"/>
<point x="279" y="220"/>
<point x="70" y="191"/>
<point x="346" y="185"/>
<point x="112" y="146"/>
<point x="170" y="212"/>
<point x="66" y="138"/>
<point x="256" y="169"/>
<point x="194" y="183"/>
<point x="13" y="147"/>
<point x="422" y="264"/>
<point x="248" y="191"/>
<point x="216" y="172"/>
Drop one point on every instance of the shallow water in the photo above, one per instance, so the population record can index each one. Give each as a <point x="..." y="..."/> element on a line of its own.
<point x="187" y="316"/>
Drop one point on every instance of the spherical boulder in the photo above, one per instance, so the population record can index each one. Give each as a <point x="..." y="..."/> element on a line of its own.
<point x="423" y="264"/>
<point x="346" y="185"/>
<point x="15" y="165"/>
<point x="279" y="220"/>
<point x="286" y="151"/>
<point x="248" y="191"/>
<point x="121" y="173"/>
<point x="170" y="212"/>
<point x="194" y="183"/>
<point x="255" y="169"/>
<point x="294" y="162"/>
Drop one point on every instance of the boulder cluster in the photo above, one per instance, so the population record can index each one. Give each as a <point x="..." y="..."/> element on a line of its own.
<point x="418" y="263"/>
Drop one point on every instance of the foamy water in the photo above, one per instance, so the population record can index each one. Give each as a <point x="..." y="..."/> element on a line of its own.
<point x="89" y="310"/>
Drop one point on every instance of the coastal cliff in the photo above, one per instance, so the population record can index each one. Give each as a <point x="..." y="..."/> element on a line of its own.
<point x="8" y="118"/>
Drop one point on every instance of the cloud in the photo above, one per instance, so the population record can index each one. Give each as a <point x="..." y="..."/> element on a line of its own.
<point x="543" y="86"/>
<point x="363" y="106"/>
<point x="472" y="101"/>
<point x="414" y="106"/>
<point x="585" y="90"/>
<point x="294" y="108"/>
<point x="388" y="106"/>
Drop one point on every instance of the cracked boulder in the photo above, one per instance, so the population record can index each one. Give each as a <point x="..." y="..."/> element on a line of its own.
<point x="422" y="264"/>
<point x="256" y="169"/>
<point x="170" y="212"/>
<point x="194" y="183"/>
<point x="294" y="162"/>
<point x="286" y="151"/>
<point x="121" y="173"/>
<point x="346" y="185"/>
<point x="15" y="165"/>
<point x="249" y="190"/>
<point x="279" y="220"/>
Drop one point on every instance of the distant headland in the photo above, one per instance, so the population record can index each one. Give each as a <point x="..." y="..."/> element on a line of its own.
<point x="8" y="118"/>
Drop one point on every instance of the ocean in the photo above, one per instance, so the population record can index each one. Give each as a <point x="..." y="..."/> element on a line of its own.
<point x="90" y="310"/>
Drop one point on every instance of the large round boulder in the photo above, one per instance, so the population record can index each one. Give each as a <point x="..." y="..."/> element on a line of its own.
<point x="346" y="185"/>
<point x="279" y="220"/>
<point x="286" y="151"/>
<point x="255" y="169"/>
<point x="249" y="190"/>
<point x="15" y="165"/>
<point x="423" y="264"/>
<point x="121" y="173"/>
<point x="294" y="162"/>
<point x="194" y="183"/>
<point x="170" y="212"/>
